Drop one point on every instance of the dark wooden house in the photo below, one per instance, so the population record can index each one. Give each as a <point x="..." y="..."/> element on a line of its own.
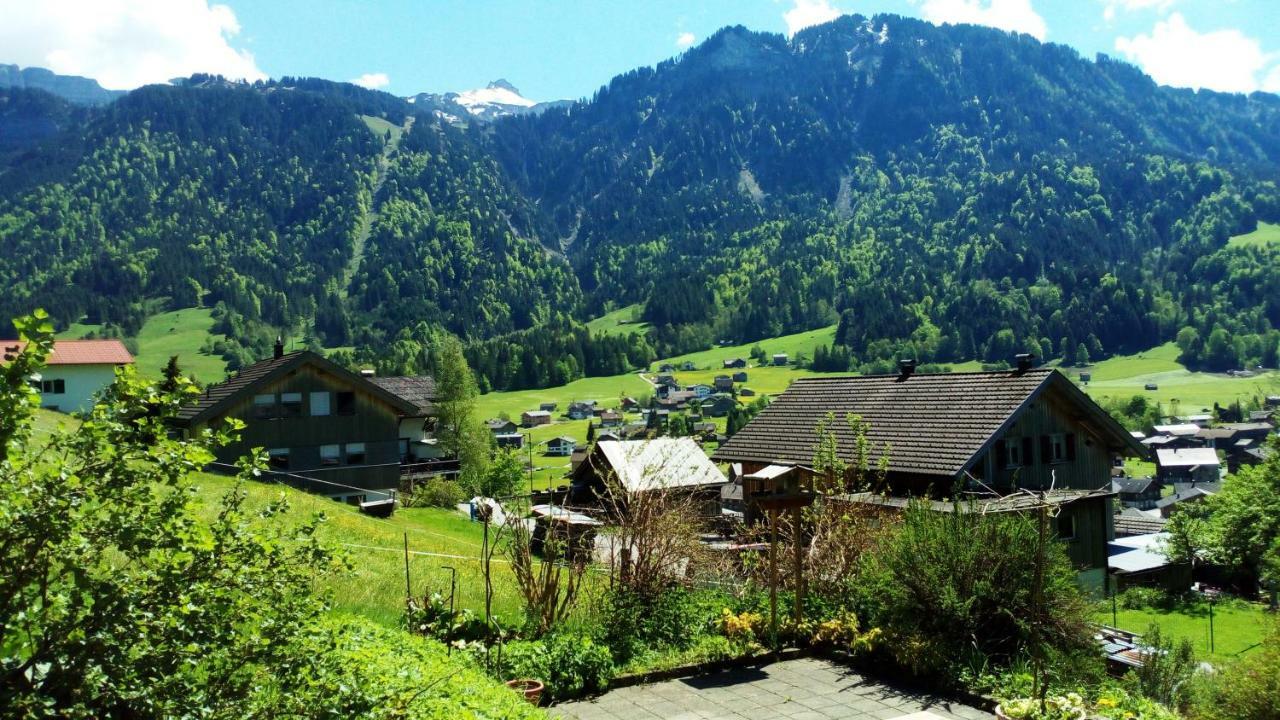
<point x="984" y="434"/>
<point x="315" y="420"/>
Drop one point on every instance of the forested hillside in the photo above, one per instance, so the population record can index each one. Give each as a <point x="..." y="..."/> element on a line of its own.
<point x="949" y="193"/>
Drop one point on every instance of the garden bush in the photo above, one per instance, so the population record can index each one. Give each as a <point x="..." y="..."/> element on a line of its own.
<point x="674" y="618"/>
<point x="956" y="588"/>
<point x="1248" y="689"/>
<point x="568" y="664"/>
<point x="436" y="493"/>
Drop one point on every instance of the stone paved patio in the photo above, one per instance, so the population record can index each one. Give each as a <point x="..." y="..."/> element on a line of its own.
<point x="804" y="689"/>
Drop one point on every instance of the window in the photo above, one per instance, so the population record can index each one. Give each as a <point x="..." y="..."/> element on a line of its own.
<point x="346" y="402"/>
<point x="1013" y="454"/>
<point x="264" y="406"/>
<point x="291" y="405"/>
<point x="330" y="455"/>
<point x="355" y="453"/>
<point x="1066" y="526"/>
<point x="53" y="387"/>
<point x="278" y="459"/>
<point x="319" y="404"/>
<point x="1057" y="448"/>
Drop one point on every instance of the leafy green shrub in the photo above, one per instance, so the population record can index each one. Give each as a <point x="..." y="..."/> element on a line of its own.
<point x="430" y="616"/>
<point x="568" y="664"/>
<point x="1140" y="598"/>
<point x="1055" y="707"/>
<point x="957" y="586"/>
<point x="1248" y="689"/>
<point x="436" y="493"/>
<point x="672" y="619"/>
<point x="1167" y="667"/>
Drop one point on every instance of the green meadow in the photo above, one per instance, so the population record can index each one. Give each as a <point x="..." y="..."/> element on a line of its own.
<point x="177" y="332"/>
<point x="623" y="321"/>
<point x="1266" y="234"/>
<point x="1189" y="391"/>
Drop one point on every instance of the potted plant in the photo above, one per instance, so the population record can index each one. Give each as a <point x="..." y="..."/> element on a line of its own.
<point x="532" y="689"/>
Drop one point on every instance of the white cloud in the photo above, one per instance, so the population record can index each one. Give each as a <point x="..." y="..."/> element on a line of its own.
<point x="804" y="13"/>
<point x="1013" y="15"/>
<point x="1175" y="54"/>
<point x="125" y="43"/>
<point x="373" y="81"/>
<point x="1114" y="6"/>
<point x="685" y="40"/>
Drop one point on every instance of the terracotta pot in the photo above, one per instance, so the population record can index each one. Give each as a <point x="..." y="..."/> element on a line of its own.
<point x="532" y="689"/>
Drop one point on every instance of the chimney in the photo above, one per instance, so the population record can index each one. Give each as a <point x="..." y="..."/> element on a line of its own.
<point x="906" y="368"/>
<point x="279" y="353"/>
<point x="1024" y="361"/>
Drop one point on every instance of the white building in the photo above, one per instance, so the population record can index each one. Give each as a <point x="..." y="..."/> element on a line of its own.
<point x="77" y="371"/>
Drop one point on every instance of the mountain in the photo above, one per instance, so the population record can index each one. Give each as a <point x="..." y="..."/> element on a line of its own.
<point x="497" y="99"/>
<point x="73" y="88"/>
<point x="944" y="193"/>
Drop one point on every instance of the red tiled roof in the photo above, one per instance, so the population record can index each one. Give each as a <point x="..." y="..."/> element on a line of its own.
<point x="82" y="352"/>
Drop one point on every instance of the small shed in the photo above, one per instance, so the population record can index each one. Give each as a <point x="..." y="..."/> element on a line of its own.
<point x="780" y="359"/>
<point x="533" y="418"/>
<point x="574" y="530"/>
<point x="513" y="441"/>
<point x="740" y="377"/>
<point x="548" y="406"/>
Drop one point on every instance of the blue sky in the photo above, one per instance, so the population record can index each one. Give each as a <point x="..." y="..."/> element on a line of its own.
<point x="565" y="49"/>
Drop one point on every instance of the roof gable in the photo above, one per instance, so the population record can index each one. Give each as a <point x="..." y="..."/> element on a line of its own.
<point x="641" y="465"/>
<point x="82" y="352"/>
<point x="217" y="399"/>
<point x="933" y="424"/>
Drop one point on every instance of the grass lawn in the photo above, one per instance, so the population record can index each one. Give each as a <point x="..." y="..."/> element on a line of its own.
<point x="1127" y="375"/>
<point x="623" y="321"/>
<point x="1237" y="625"/>
<point x="178" y="332"/>
<point x="1265" y="234"/>
<point x="375" y="585"/>
<point x="793" y="345"/>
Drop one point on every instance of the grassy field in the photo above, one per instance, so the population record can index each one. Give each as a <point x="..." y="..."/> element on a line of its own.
<point x="619" y="322"/>
<point x="178" y="332"/>
<point x="1266" y="234"/>
<point x="1127" y="375"/>
<point x="792" y="345"/>
<point x="1237" y="625"/>
<point x="378" y="126"/>
<point x="375" y="586"/>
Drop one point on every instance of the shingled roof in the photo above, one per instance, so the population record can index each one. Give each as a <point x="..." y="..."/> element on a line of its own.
<point x="935" y="424"/>
<point x="216" y="398"/>
<point x="417" y="389"/>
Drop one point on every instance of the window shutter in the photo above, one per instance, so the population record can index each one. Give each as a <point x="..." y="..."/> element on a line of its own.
<point x="1071" y="447"/>
<point x="1002" y="455"/>
<point x="1046" y="450"/>
<point x="1026" y="451"/>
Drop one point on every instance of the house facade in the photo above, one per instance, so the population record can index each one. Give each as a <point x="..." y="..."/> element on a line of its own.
<point x="959" y="434"/>
<point x="533" y="418"/>
<point x="76" y="372"/>
<point x="316" y="420"/>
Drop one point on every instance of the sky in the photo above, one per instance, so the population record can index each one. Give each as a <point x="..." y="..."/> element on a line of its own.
<point x="567" y="49"/>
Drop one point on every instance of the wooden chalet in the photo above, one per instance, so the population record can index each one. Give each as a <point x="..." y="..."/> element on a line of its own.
<point x="984" y="434"/>
<point x="316" y="420"/>
<point x="674" y="465"/>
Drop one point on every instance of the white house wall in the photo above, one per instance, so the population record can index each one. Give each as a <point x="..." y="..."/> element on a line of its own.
<point x="82" y="383"/>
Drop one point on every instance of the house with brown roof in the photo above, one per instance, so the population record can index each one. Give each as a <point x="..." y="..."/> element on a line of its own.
<point x="983" y="433"/>
<point x="76" y="371"/>
<point x="417" y="431"/>
<point x="317" y="421"/>
<point x="533" y="418"/>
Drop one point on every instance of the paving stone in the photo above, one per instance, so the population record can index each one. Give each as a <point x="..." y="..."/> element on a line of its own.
<point x="803" y="689"/>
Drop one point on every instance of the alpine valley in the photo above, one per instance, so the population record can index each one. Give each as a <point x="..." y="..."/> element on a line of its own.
<point x="945" y="193"/>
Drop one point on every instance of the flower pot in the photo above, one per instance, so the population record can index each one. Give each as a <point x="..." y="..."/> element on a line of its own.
<point x="1000" y="713"/>
<point x="532" y="689"/>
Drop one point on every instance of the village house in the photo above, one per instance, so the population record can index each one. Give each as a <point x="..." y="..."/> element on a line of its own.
<point x="666" y="368"/>
<point x="718" y="405"/>
<point x="673" y="465"/>
<point x="746" y="392"/>
<point x="665" y="381"/>
<point x="723" y="383"/>
<point x="498" y="426"/>
<point x="610" y="418"/>
<point x="1187" y="465"/>
<point x="740" y="377"/>
<point x="1132" y="521"/>
<point x="534" y="418"/>
<point x="780" y="359"/>
<point x="76" y="371"/>
<point x="548" y="406"/>
<point x="629" y="404"/>
<point x="561" y="446"/>
<point x="581" y="410"/>
<point x="688" y="365"/>
<point x="984" y="432"/>
<point x="701" y="391"/>
<point x="316" y="420"/>
<point x="1140" y="493"/>
<point x="735" y="363"/>
<point x="1180" y="498"/>
<point x="509" y="441"/>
